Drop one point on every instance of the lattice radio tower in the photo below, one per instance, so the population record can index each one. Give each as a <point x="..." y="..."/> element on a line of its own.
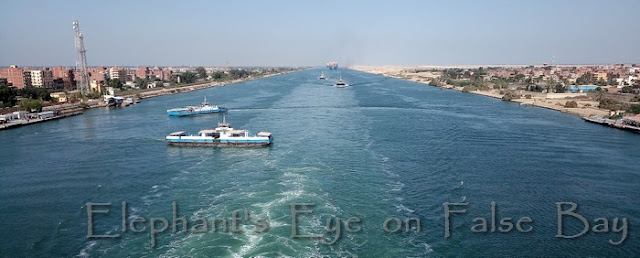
<point x="81" y="62"/>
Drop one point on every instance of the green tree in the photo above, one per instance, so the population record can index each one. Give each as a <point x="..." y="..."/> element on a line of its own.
<point x="635" y="108"/>
<point x="586" y="78"/>
<point x="35" y="93"/>
<point x="559" y="88"/>
<point x="627" y="89"/>
<point x="218" y="75"/>
<point x="30" y="104"/>
<point x="238" y="73"/>
<point x="141" y="83"/>
<point x="94" y="95"/>
<point x="7" y="96"/>
<point x="188" y="77"/>
<point x="115" y="83"/>
<point x="536" y="88"/>
<point x="201" y="72"/>
<point x="510" y="96"/>
<point x="571" y="104"/>
<point x="501" y="84"/>
<point x="609" y="104"/>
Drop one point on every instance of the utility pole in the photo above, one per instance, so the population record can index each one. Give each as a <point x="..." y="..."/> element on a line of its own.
<point x="81" y="61"/>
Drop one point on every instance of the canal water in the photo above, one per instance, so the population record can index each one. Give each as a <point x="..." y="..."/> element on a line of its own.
<point x="380" y="150"/>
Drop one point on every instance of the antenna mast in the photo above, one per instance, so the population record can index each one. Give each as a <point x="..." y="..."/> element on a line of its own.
<point x="81" y="61"/>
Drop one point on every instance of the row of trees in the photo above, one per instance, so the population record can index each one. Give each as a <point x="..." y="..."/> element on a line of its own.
<point x="474" y="74"/>
<point x="8" y="95"/>
<point x="587" y="78"/>
<point x="201" y="73"/>
<point x="612" y="104"/>
<point x="631" y="89"/>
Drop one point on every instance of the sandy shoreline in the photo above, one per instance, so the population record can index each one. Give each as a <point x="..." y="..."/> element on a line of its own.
<point x="585" y="108"/>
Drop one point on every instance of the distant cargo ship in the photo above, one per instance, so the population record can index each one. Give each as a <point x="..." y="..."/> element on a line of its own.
<point x="332" y="65"/>
<point x="223" y="135"/>
<point x="203" y="108"/>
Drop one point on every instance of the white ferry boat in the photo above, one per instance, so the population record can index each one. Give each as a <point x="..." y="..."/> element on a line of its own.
<point x="223" y="135"/>
<point x="203" y="108"/>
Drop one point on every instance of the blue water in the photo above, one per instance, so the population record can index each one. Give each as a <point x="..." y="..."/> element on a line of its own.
<point x="381" y="148"/>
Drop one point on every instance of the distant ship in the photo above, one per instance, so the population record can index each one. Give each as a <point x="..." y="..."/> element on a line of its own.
<point x="340" y="83"/>
<point x="332" y="65"/>
<point x="203" y="108"/>
<point x="223" y="135"/>
<point x="321" y="76"/>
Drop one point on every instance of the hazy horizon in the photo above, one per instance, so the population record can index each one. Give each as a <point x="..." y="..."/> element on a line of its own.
<point x="289" y="33"/>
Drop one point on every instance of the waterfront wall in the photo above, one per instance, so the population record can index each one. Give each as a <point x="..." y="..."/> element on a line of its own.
<point x="564" y="95"/>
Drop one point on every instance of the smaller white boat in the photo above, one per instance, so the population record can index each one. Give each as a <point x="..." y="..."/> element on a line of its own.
<point x="128" y="102"/>
<point x="203" y="108"/>
<point x="340" y="83"/>
<point x="322" y="76"/>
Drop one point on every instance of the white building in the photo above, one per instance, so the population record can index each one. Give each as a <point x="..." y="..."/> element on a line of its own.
<point x="42" y="78"/>
<point x="117" y="73"/>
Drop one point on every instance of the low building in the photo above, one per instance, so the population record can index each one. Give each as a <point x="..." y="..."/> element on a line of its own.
<point x="616" y="112"/>
<point x="20" y="115"/>
<point x="46" y="114"/>
<point x="6" y="118"/>
<point x="60" y="96"/>
<point x="96" y="86"/>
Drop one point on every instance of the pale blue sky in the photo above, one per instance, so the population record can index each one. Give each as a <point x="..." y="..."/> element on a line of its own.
<point x="299" y="32"/>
